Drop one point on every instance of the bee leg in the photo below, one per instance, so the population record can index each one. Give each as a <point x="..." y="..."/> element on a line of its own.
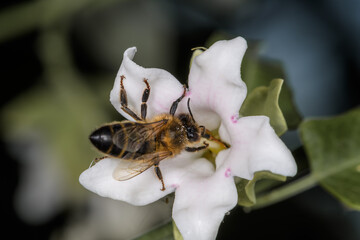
<point x="195" y="149"/>
<point x="123" y="100"/>
<point x="176" y="102"/>
<point x="159" y="175"/>
<point x="145" y="97"/>
<point x="96" y="160"/>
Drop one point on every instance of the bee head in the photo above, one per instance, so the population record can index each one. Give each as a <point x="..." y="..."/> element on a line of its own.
<point x="192" y="129"/>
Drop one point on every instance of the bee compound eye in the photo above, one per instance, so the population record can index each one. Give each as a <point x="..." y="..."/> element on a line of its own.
<point x="192" y="134"/>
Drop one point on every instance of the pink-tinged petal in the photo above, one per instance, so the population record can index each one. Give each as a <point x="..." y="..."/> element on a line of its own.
<point x="201" y="203"/>
<point x="254" y="147"/>
<point x="145" y="187"/>
<point x="215" y="86"/>
<point x="165" y="88"/>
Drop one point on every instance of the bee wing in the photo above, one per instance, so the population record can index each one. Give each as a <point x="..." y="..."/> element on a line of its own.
<point x="130" y="168"/>
<point x="134" y="134"/>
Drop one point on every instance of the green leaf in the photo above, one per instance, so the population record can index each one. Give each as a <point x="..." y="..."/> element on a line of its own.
<point x="264" y="101"/>
<point x="246" y="188"/>
<point x="164" y="232"/>
<point x="333" y="148"/>
<point x="258" y="71"/>
<point x="196" y="52"/>
<point x="176" y="232"/>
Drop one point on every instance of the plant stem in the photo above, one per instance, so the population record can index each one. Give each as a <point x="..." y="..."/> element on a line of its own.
<point x="285" y="192"/>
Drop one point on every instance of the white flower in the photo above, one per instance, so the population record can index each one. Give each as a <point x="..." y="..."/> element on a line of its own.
<point x="203" y="194"/>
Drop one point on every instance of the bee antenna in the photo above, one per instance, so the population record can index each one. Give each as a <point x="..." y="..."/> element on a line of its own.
<point x="188" y="105"/>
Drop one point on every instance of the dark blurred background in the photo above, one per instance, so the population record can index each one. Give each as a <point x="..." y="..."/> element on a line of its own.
<point x="58" y="63"/>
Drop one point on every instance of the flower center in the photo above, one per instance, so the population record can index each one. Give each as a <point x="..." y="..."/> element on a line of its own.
<point x="215" y="146"/>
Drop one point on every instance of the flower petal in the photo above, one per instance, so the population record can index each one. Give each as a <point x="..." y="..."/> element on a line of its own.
<point x="254" y="147"/>
<point x="145" y="187"/>
<point x="201" y="203"/>
<point x="165" y="88"/>
<point x="215" y="86"/>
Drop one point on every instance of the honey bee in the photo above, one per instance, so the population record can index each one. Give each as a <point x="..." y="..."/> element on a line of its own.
<point x="144" y="143"/>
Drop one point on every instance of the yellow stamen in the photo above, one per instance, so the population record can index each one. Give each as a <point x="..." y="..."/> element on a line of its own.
<point x="215" y="146"/>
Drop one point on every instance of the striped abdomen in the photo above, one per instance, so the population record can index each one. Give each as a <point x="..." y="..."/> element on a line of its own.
<point x="122" y="140"/>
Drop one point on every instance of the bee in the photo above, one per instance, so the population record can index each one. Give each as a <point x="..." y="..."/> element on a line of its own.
<point x="144" y="143"/>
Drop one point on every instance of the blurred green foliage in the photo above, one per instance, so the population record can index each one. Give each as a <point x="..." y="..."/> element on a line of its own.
<point x="333" y="148"/>
<point x="41" y="14"/>
<point x="164" y="232"/>
<point x="257" y="71"/>
<point x="63" y="110"/>
<point x="177" y="234"/>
